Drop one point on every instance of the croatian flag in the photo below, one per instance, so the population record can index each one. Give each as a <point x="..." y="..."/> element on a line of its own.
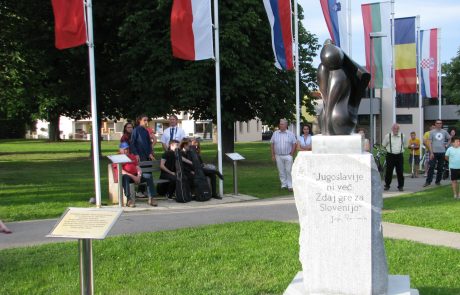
<point x="279" y="16"/>
<point x="429" y="62"/>
<point x="191" y="29"/>
<point x="335" y="14"/>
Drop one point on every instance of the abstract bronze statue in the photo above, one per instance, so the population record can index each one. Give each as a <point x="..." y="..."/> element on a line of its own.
<point x="342" y="83"/>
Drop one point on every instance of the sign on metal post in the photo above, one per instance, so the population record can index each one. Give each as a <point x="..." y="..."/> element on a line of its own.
<point x="119" y="160"/>
<point x="85" y="224"/>
<point x="235" y="157"/>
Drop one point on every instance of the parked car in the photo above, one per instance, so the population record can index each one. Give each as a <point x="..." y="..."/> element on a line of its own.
<point x="267" y="135"/>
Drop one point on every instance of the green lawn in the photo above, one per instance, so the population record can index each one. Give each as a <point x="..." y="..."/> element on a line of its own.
<point x="433" y="208"/>
<point x="233" y="258"/>
<point x="39" y="179"/>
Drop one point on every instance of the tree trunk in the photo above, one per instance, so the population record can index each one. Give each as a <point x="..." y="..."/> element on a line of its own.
<point x="228" y="138"/>
<point x="53" y="131"/>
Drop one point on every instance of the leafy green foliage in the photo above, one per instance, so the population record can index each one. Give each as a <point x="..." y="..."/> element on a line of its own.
<point x="451" y="80"/>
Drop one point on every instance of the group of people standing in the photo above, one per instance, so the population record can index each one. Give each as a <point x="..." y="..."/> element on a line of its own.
<point x="284" y="144"/>
<point x="138" y="144"/>
<point x="440" y="146"/>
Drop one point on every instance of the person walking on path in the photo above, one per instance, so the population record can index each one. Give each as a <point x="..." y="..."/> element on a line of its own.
<point x="414" y="157"/>
<point x="173" y="132"/>
<point x="4" y="229"/>
<point x="141" y="145"/>
<point x="453" y="156"/>
<point x="437" y="142"/>
<point x="283" y="147"/>
<point x="394" y="143"/>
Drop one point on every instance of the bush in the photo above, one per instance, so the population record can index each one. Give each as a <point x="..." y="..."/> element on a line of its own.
<point x="12" y="129"/>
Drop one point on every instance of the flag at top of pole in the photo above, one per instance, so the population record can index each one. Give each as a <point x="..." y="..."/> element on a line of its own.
<point x="335" y="14"/>
<point x="69" y="23"/>
<point x="279" y="16"/>
<point x="191" y="29"/>
<point x="376" y="18"/>
<point x="429" y="62"/>
<point x="405" y="55"/>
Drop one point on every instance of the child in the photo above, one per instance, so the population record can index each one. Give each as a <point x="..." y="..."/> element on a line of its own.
<point x="414" y="156"/>
<point x="453" y="156"/>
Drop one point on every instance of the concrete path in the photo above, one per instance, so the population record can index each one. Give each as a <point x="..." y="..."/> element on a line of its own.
<point x="171" y="215"/>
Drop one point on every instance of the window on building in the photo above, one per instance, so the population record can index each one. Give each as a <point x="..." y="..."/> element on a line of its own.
<point x="241" y="127"/>
<point x="258" y="126"/>
<point x="248" y="127"/>
<point x="404" y="119"/>
<point x="364" y="120"/>
<point x="406" y="100"/>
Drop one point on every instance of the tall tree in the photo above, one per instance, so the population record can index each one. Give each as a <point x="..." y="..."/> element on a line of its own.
<point x="451" y="80"/>
<point x="250" y="84"/>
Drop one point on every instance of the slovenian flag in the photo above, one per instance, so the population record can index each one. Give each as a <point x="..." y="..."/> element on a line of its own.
<point x="279" y="16"/>
<point x="69" y="23"/>
<point x="429" y="62"/>
<point x="191" y="29"/>
<point x="335" y="14"/>
<point x="405" y="55"/>
<point x="376" y="18"/>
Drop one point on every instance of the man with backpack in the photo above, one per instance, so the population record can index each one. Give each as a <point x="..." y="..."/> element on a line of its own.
<point x="394" y="143"/>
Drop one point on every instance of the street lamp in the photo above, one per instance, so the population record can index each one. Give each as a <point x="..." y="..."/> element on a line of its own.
<point x="372" y="36"/>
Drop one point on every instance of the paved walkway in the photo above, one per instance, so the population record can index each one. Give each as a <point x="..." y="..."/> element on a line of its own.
<point x="171" y="215"/>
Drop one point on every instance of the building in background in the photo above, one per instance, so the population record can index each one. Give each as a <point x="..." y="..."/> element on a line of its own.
<point x="113" y="129"/>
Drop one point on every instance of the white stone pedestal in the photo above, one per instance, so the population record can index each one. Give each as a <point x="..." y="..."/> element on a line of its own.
<point x="397" y="285"/>
<point x="338" y="195"/>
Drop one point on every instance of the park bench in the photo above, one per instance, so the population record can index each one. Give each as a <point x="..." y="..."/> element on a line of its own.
<point x="146" y="167"/>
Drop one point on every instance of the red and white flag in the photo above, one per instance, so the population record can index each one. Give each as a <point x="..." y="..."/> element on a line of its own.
<point x="191" y="29"/>
<point x="69" y="23"/>
<point x="429" y="62"/>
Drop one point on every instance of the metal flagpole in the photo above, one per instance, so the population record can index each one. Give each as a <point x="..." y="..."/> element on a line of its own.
<point x="94" y="119"/>
<point x="297" y="74"/>
<point x="393" y="86"/>
<point x="218" y="107"/>
<point x="439" y="70"/>
<point x="349" y="29"/>
<point x="419" y="78"/>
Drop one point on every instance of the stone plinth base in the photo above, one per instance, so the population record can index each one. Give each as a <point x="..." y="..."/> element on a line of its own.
<point x="397" y="285"/>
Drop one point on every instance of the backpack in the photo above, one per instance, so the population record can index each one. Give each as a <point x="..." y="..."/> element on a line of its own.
<point x="183" y="193"/>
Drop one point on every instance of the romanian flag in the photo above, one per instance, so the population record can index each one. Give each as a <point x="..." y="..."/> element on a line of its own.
<point x="279" y="16"/>
<point x="405" y="55"/>
<point x="69" y="23"/>
<point x="335" y="15"/>
<point x="191" y="29"/>
<point x="429" y="62"/>
<point x="376" y="19"/>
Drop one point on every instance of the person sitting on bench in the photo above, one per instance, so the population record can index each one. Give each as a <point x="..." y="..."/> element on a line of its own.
<point x="132" y="173"/>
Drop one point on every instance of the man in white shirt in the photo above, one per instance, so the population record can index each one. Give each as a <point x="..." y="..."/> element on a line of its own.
<point x="172" y="132"/>
<point x="283" y="146"/>
<point x="394" y="143"/>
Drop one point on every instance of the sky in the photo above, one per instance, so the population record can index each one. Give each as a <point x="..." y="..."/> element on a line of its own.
<point x="443" y="14"/>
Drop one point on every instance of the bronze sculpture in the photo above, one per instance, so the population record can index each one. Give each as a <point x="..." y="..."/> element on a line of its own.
<point x="342" y="83"/>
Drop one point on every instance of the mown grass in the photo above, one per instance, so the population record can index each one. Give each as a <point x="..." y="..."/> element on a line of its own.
<point x="434" y="208"/>
<point x="39" y="179"/>
<point x="233" y="258"/>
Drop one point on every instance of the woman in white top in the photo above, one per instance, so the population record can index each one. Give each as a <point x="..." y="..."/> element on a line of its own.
<point x="366" y="141"/>
<point x="304" y="140"/>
